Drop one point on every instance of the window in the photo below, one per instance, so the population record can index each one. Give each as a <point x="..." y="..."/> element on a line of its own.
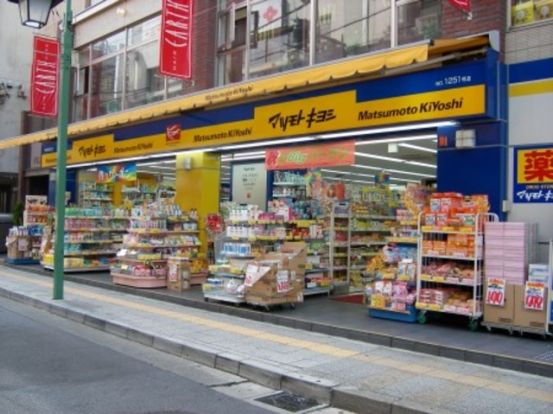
<point x="279" y="38"/>
<point x="144" y="83"/>
<point x="281" y="34"/>
<point x="525" y="12"/>
<point x="119" y="72"/>
<point x="232" y="35"/>
<point x="343" y="30"/>
<point x="418" y="20"/>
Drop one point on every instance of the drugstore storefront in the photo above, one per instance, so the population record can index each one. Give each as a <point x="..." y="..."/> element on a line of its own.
<point x="450" y="93"/>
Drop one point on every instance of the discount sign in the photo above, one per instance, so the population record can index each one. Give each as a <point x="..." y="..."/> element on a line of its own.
<point x="495" y="292"/>
<point x="534" y="296"/>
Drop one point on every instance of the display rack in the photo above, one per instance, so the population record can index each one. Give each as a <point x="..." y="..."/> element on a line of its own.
<point x="23" y="244"/>
<point x="367" y="238"/>
<point x="450" y="268"/>
<point x="92" y="194"/>
<point x="273" y="278"/>
<point x="90" y="239"/>
<point x="149" y="242"/>
<point x="339" y="246"/>
<point x="248" y="239"/>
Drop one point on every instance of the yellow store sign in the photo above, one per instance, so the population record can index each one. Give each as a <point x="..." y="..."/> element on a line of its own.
<point x="326" y="113"/>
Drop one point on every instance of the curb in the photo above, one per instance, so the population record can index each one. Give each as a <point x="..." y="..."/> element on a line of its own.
<point x="268" y="375"/>
<point x="527" y="366"/>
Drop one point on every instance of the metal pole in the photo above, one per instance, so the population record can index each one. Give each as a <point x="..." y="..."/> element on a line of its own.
<point x="61" y="159"/>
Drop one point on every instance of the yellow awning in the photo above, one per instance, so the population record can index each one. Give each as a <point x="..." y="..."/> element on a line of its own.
<point x="347" y="69"/>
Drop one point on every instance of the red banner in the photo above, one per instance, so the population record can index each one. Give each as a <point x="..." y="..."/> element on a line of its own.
<point x="311" y="156"/>
<point x="175" y="56"/>
<point x="463" y="5"/>
<point x="45" y="76"/>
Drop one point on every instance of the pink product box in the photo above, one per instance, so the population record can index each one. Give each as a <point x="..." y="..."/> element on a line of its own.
<point x="515" y="253"/>
<point x="493" y="263"/>
<point x="493" y="271"/>
<point x="515" y="266"/>
<point x="493" y="253"/>
<point x="523" y="234"/>
<point x="518" y="242"/>
<point x="514" y="274"/>
<point x="512" y="225"/>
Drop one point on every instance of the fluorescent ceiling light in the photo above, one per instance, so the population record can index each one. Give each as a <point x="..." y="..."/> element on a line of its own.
<point x="348" y="173"/>
<point x="368" y="167"/>
<point x="407" y="180"/>
<point x="145" y="157"/>
<point x="267" y="143"/>
<point x="160" y="167"/>
<point x="397" y="139"/>
<point x="250" y="157"/>
<point x="225" y="166"/>
<point x="410" y="127"/>
<point x="419" y="148"/>
<point x="239" y="154"/>
<point x="391" y="159"/>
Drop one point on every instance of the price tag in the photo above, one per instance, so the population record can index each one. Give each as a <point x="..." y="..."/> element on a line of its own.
<point x="283" y="281"/>
<point x="534" y="296"/>
<point x="495" y="292"/>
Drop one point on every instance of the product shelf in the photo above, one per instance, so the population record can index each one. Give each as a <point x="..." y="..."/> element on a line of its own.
<point x="90" y="253"/>
<point x="103" y="241"/>
<point x="449" y="280"/>
<point x="316" y="291"/>
<point x="436" y="256"/>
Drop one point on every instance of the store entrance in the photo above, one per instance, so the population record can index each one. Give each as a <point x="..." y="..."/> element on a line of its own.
<point x="347" y="215"/>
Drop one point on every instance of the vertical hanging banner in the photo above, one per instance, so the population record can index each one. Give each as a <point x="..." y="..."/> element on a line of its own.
<point x="463" y="5"/>
<point x="45" y="76"/>
<point x="175" y="56"/>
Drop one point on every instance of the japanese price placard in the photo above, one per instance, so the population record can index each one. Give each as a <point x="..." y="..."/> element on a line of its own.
<point x="534" y="296"/>
<point x="495" y="293"/>
<point x="283" y="281"/>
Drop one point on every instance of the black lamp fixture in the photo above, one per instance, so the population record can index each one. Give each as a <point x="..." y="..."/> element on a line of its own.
<point x="34" y="13"/>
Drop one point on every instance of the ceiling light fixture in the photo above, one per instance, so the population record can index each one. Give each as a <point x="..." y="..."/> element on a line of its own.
<point x="411" y="127"/>
<point x="391" y="159"/>
<point x="396" y="139"/>
<point x="267" y="143"/>
<point x="419" y="148"/>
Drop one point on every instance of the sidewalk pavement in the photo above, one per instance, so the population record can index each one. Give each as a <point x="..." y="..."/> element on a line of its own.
<point x="348" y="374"/>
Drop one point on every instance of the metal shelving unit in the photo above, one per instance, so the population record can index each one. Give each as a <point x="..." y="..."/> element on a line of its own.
<point x="476" y="258"/>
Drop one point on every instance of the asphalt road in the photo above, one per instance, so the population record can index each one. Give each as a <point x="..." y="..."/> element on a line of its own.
<point x="51" y="365"/>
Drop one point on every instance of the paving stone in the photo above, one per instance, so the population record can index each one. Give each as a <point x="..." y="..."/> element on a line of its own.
<point x="358" y="401"/>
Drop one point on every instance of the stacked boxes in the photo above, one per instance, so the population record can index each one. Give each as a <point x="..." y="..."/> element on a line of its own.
<point x="509" y="249"/>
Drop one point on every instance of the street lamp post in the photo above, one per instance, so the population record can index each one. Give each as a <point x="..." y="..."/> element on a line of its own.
<point x="34" y="13"/>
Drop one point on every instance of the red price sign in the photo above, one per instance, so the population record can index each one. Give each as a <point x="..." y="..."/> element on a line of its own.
<point x="283" y="281"/>
<point x="495" y="292"/>
<point x="534" y="296"/>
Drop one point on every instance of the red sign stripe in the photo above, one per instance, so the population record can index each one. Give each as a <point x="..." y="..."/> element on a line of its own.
<point x="175" y="56"/>
<point x="45" y="76"/>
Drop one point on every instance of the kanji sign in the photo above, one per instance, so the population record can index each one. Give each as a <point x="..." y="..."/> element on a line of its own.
<point x="45" y="76"/>
<point x="495" y="294"/>
<point x="533" y="181"/>
<point x="176" y="38"/>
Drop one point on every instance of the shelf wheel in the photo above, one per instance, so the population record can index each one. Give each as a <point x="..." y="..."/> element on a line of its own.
<point x="474" y="324"/>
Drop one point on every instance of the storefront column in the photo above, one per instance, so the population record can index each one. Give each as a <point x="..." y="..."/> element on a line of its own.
<point x="481" y="169"/>
<point x="197" y="185"/>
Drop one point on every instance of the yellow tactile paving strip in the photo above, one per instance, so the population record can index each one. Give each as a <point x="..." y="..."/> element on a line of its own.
<point x="316" y="347"/>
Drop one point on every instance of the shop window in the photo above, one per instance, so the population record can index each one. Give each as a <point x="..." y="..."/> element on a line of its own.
<point x="80" y="93"/>
<point x="109" y="45"/>
<point x="143" y="82"/>
<point x="144" y="32"/>
<point x="232" y="43"/>
<point x="107" y="86"/>
<point x="357" y="27"/>
<point x="524" y="12"/>
<point x="418" y="20"/>
<point x="279" y="37"/>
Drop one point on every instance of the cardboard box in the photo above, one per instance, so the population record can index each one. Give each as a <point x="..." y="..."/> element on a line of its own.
<point x="178" y="274"/>
<point x="501" y="314"/>
<point x="525" y="317"/>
